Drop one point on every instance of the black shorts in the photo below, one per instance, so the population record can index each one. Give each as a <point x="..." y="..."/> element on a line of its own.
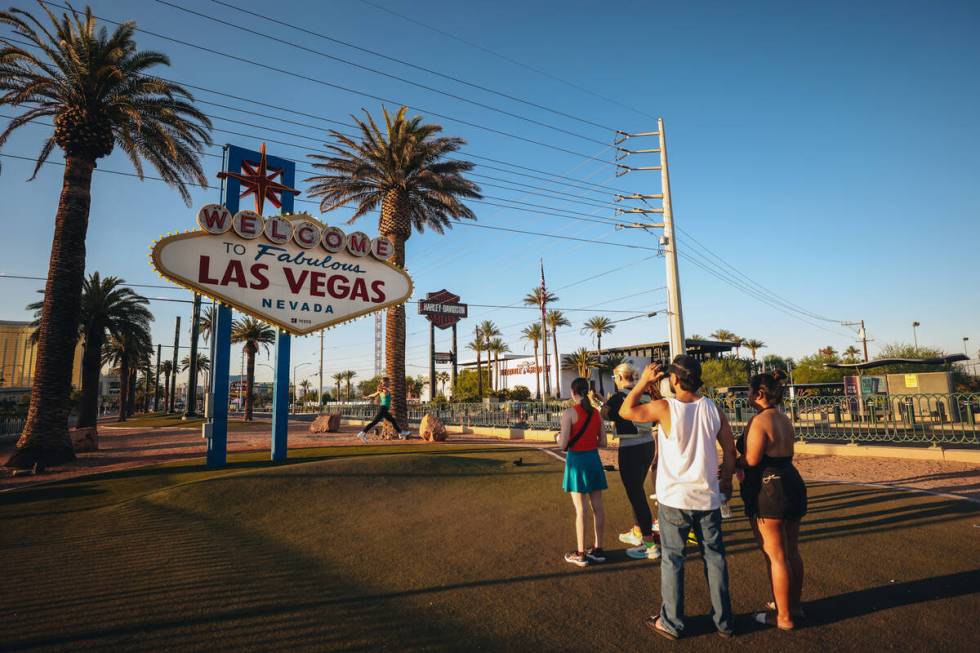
<point x="774" y="493"/>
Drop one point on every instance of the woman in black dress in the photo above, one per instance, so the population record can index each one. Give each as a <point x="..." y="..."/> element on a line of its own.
<point x="775" y="497"/>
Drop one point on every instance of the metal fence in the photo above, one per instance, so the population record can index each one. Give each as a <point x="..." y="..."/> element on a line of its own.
<point x="10" y="427"/>
<point x="922" y="419"/>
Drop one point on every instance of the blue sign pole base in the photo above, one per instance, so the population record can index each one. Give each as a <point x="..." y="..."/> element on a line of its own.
<point x="280" y="400"/>
<point x="217" y="455"/>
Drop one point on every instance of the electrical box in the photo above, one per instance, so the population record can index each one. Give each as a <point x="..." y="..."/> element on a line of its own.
<point x="206" y="430"/>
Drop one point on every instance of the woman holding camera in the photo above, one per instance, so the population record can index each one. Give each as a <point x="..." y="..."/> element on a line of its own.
<point x="581" y="436"/>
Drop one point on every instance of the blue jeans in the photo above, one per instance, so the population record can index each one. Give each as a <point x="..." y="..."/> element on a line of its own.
<point x="675" y="524"/>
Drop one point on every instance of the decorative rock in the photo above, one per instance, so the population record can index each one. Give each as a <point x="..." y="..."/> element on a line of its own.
<point x="85" y="439"/>
<point x="326" y="424"/>
<point x="431" y="429"/>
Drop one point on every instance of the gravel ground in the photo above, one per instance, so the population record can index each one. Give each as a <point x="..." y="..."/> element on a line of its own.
<point x="124" y="448"/>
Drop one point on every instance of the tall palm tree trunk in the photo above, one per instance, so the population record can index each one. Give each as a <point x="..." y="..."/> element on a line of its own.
<point x="395" y="225"/>
<point x="554" y="339"/>
<point x="88" y="413"/>
<point x="602" y="391"/>
<point x="45" y="436"/>
<point x="479" y="375"/>
<point x="123" y="387"/>
<point x="249" y="382"/>
<point x="131" y="395"/>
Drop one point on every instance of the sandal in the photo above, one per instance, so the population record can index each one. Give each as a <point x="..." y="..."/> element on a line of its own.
<point x="799" y="614"/>
<point x="653" y="623"/>
<point x="768" y="619"/>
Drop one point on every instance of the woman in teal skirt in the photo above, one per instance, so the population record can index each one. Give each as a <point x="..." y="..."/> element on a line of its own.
<point x="580" y="437"/>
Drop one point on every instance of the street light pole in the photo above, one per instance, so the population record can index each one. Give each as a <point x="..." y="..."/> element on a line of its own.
<point x="965" y="338"/>
<point x="319" y="390"/>
<point x="295" y="387"/>
<point x="915" y="333"/>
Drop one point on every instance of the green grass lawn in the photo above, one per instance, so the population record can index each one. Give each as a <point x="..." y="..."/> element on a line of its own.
<point x="441" y="547"/>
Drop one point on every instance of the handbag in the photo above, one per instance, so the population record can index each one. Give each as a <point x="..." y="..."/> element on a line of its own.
<point x="581" y="431"/>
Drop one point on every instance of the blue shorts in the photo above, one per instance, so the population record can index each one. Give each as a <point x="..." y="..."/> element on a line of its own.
<point x="583" y="472"/>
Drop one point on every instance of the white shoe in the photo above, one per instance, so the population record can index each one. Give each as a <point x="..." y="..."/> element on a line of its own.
<point x="631" y="537"/>
<point x="362" y="436"/>
<point x="644" y="551"/>
<point x="726" y="511"/>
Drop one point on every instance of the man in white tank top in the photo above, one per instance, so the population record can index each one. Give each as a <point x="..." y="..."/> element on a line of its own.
<point x="690" y="487"/>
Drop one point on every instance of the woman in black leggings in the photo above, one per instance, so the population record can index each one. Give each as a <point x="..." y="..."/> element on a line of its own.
<point x="636" y="450"/>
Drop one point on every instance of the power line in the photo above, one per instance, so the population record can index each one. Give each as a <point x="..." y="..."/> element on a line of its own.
<point x="340" y="87"/>
<point x="389" y="75"/>
<point x="467" y="224"/>
<point x="575" y="182"/>
<point x="509" y="59"/>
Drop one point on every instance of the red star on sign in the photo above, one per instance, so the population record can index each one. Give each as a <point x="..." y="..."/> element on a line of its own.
<point x="260" y="180"/>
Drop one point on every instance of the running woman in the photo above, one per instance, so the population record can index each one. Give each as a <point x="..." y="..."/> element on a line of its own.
<point x="383" y="394"/>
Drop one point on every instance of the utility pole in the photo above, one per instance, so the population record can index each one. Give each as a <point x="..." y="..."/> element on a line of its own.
<point x="668" y="242"/>
<point x="862" y="335"/>
<point x="191" y="409"/>
<point x="544" y="332"/>
<point x="173" y="375"/>
<point x="156" y="384"/>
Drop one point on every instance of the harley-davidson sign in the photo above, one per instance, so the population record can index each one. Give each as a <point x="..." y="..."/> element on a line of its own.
<point x="442" y="308"/>
<point x="290" y="271"/>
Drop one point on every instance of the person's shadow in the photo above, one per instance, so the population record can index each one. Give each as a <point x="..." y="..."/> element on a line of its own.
<point x="832" y="609"/>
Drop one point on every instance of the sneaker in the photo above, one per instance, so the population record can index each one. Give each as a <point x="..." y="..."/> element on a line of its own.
<point x="632" y="536"/>
<point x="645" y="551"/>
<point x="362" y="436"/>
<point x="577" y="558"/>
<point x="726" y="511"/>
<point x="596" y="554"/>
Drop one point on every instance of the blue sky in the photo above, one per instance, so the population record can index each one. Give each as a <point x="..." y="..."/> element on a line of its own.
<point x="824" y="150"/>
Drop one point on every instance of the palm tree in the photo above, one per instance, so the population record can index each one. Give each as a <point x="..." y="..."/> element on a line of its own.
<point x="724" y="335"/>
<point x="598" y="326"/>
<point x="486" y="331"/>
<point x="167" y="368"/>
<point x="556" y="319"/>
<point x="532" y="333"/>
<point x="581" y="361"/>
<point x="348" y="377"/>
<point x="851" y="354"/>
<point x="497" y="346"/>
<point x="252" y="334"/>
<point x="541" y="298"/>
<point x="203" y="365"/>
<point x="443" y="379"/>
<point x="754" y="346"/>
<point x="404" y="170"/>
<point x="305" y="384"/>
<point x="738" y="341"/>
<point x="338" y="378"/>
<point x="97" y="87"/>
<point x="125" y="352"/>
<point x="107" y="307"/>
<point x="479" y="345"/>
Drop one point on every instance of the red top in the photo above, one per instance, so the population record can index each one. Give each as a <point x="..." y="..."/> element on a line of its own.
<point x="590" y="438"/>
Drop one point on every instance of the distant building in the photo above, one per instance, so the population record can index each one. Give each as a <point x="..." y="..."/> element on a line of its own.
<point x="18" y="356"/>
<point x="521" y="370"/>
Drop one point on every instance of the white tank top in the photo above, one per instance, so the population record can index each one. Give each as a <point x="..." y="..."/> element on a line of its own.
<point x="687" y="465"/>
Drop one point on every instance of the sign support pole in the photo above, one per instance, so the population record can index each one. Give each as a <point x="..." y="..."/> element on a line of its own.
<point x="432" y="361"/>
<point x="218" y="442"/>
<point x="455" y="358"/>
<point x="280" y="399"/>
